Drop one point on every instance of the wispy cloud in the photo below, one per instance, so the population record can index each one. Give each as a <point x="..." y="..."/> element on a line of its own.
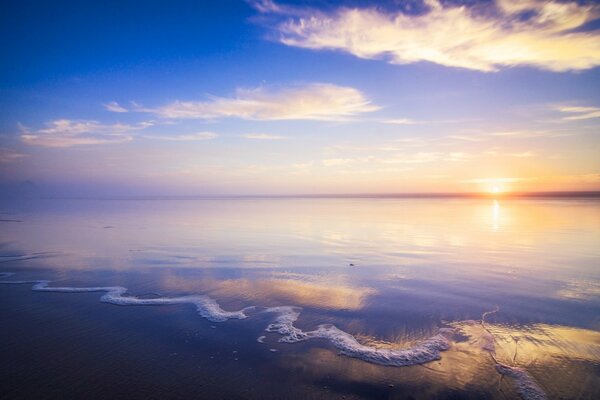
<point x="516" y="133"/>
<point x="302" y="168"/>
<point x="8" y="155"/>
<point x="412" y="158"/>
<point x="523" y="154"/>
<point x="395" y="159"/>
<point x="537" y="33"/>
<point x="262" y="136"/>
<point x="399" y="121"/>
<point x="458" y="156"/>
<point x="593" y="177"/>
<point x="318" y="101"/>
<point x="479" y="136"/>
<point x="578" y="112"/>
<point x="466" y="138"/>
<point x="190" y="137"/>
<point x="67" y="133"/>
<point x="115" y="107"/>
<point x="498" y="180"/>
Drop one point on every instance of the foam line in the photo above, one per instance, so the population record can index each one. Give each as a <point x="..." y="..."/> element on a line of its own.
<point x="206" y="306"/>
<point x="426" y="351"/>
<point x="526" y="385"/>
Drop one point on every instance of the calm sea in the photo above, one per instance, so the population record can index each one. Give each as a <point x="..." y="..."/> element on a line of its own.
<point x="300" y="298"/>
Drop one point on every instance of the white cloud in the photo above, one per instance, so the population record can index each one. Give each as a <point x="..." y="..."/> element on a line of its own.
<point x="517" y="134"/>
<point x="266" y="6"/>
<point x="303" y="167"/>
<point x="458" y="156"/>
<point x="67" y="133"/>
<point x="466" y="138"/>
<point x="537" y="33"/>
<point x="262" y="136"/>
<point x="115" y="107"/>
<point x="579" y="113"/>
<point x="317" y="101"/>
<point x="399" y="121"/>
<point x="191" y="137"/>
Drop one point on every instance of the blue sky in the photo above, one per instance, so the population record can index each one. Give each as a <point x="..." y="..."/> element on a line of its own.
<point x="270" y="97"/>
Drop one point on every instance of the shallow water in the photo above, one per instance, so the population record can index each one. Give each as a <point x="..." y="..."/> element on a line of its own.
<point x="383" y="298"/>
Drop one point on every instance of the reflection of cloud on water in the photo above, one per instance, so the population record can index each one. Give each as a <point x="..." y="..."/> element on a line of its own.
<point x="302" y="293"/>
<point x="325" y="294"/>
<point x="580" y="290"/>
<point x="541" y="342"/>
<point x="454" y="375"/>
<point x="559" y="358"/>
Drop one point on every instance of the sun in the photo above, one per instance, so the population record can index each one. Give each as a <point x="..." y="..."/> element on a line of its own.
<point x="495" y="190"/>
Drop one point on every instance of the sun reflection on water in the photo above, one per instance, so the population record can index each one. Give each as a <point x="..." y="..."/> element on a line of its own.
<point x="495" y="215"/>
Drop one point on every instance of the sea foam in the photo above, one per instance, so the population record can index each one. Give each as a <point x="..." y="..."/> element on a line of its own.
<point x="206" y="306"/>
<point x="526" y="385"/>
<point x="426" y="351"/>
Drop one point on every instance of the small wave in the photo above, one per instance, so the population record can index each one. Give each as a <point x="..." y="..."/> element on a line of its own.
<point x="526" y="385"/>
<point x="206" y="306"/>
<point x="426" y="351"/>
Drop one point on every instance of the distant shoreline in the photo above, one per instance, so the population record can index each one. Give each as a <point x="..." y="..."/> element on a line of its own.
<point x="472" y="195"/>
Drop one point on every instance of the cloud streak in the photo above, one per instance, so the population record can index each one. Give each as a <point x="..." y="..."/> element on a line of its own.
<point x="262" y="136"/>
<point x="191" y="137"/>
<point x="318" y="101"/>
<point x="538" y="33"/>
<point x="113" y="106"/>
<point x="399" y="121"/>
<point x="68" y="133"/>
<point x="579" y="113"/>
<point x="499" y="180"/>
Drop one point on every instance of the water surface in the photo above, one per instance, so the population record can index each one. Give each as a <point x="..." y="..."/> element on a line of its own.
<point x="387" y="274"/>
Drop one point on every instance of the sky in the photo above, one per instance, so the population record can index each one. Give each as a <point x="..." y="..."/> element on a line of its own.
<point x="278" y="97"/>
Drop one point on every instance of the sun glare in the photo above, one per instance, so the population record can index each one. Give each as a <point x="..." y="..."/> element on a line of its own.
<point x="495" y="190"/>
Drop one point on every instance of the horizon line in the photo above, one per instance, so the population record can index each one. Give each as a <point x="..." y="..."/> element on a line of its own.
<point x="407" y="195"/>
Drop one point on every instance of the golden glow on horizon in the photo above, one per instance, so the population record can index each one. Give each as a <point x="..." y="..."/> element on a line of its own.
<point x="494" y="190"/>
